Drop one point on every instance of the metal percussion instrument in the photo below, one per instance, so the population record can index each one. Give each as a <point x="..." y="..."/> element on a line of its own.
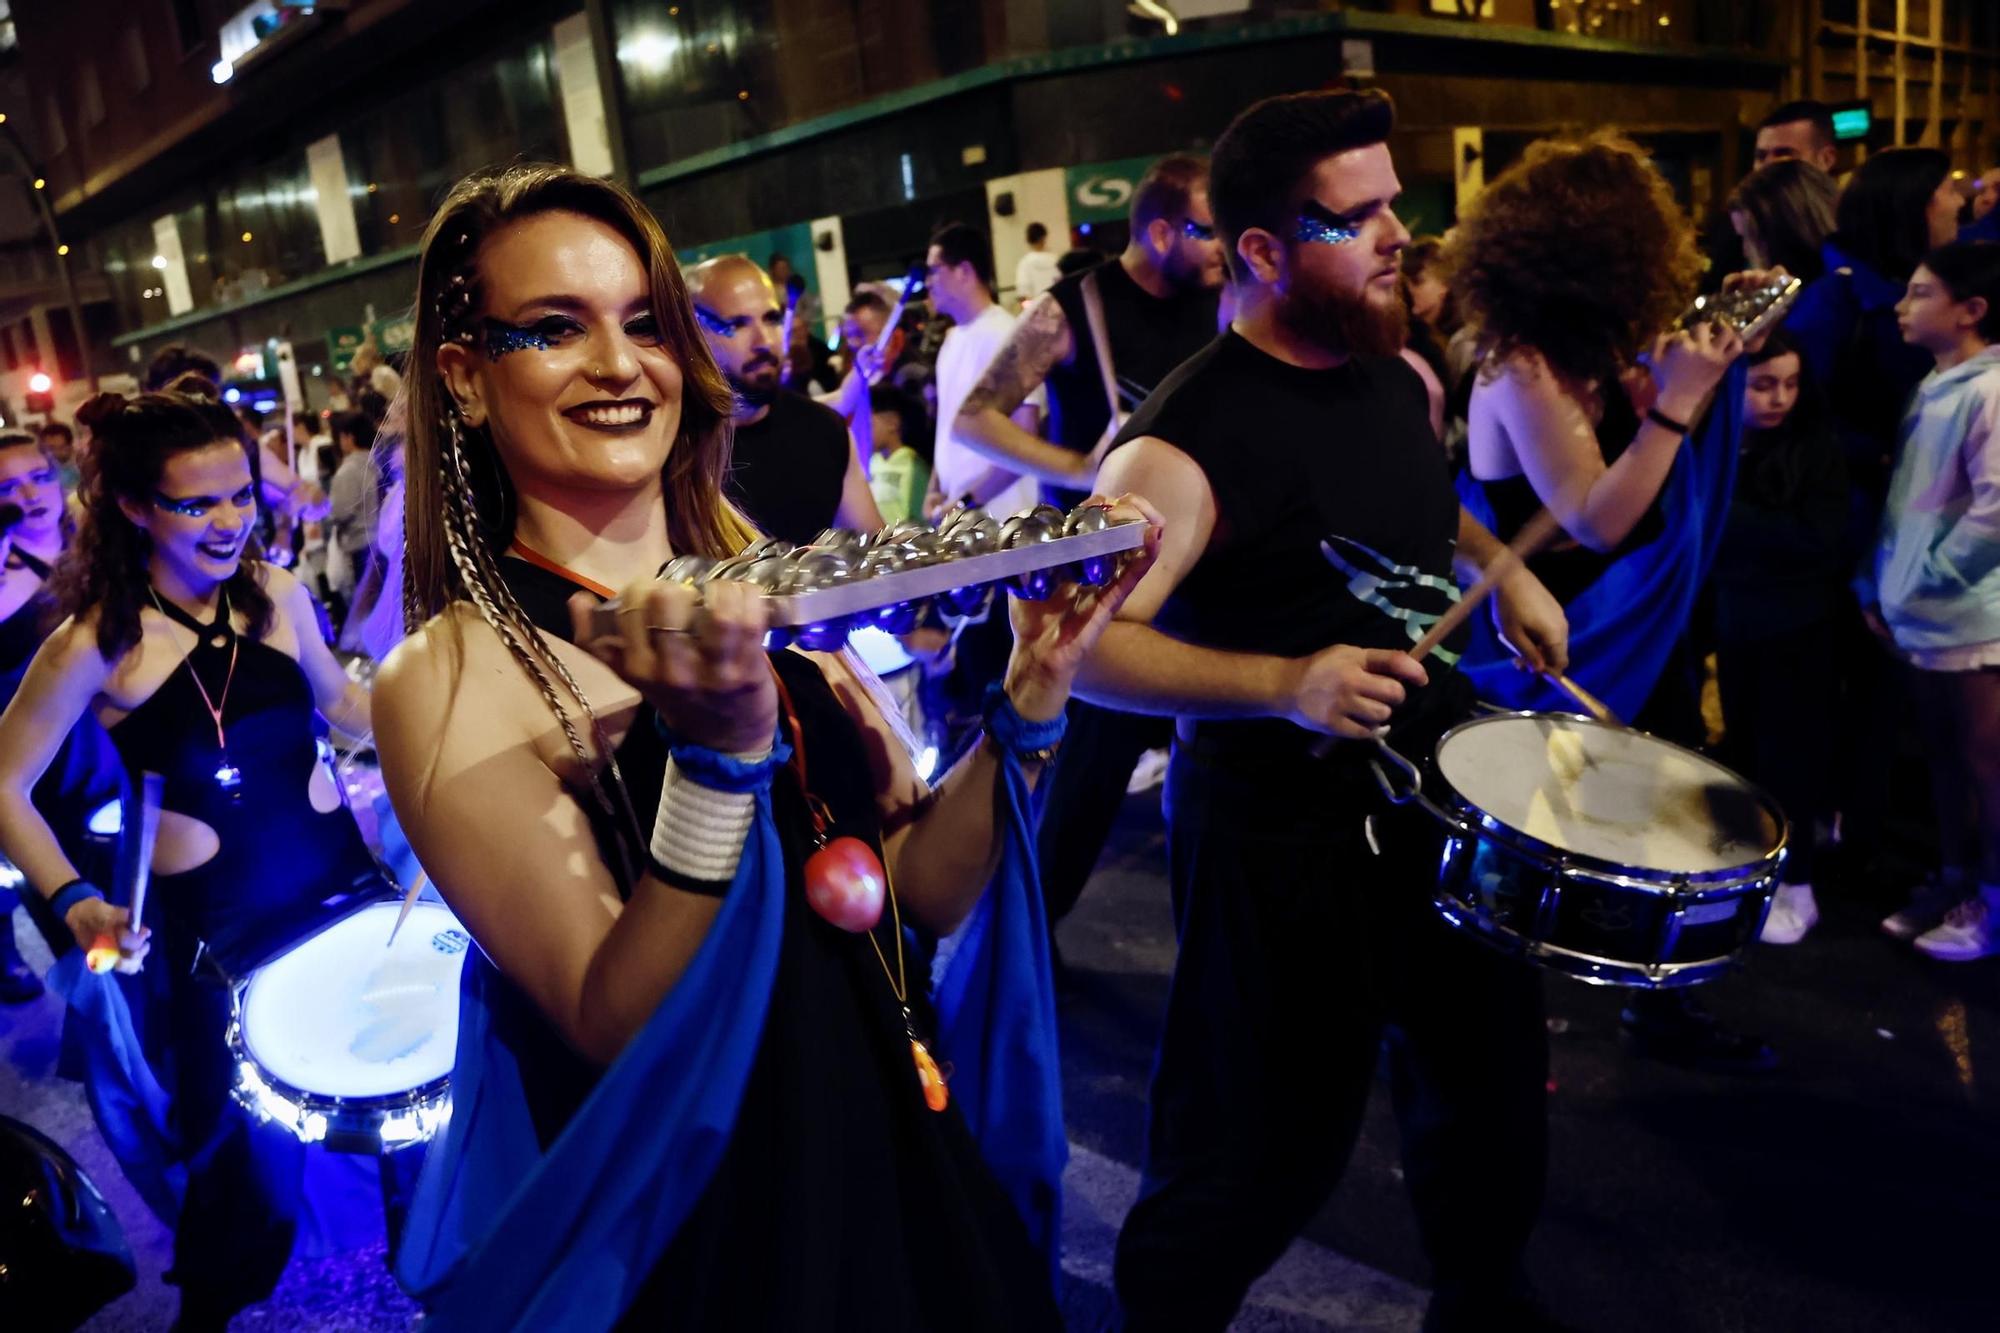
<point x="817" y="595"/>
<point x="1748" y="310"/>
<point x="348" y="1039"/>
<point x="1595" y="850"/>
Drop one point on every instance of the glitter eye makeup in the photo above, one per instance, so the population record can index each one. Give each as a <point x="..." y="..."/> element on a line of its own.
<point x="502" y="338"/>
<point x="718" y="327"/>
<point x="1319" y="225"/>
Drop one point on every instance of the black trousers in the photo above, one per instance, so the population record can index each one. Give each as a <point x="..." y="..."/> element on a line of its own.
<point x="1077" y="803"/>
<point x="1301" y="950"/>
<point x="1779" y="700"/>
<point x="244" y="1178"/>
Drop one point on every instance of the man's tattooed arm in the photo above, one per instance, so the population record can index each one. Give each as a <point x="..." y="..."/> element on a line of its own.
<point x="989" y="419"/>
<point x="1039" y="342"/>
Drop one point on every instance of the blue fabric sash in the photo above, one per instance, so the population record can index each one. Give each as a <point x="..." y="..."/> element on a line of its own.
<point x="125" y="1098"/>
<point x="504" y="1236"/>
<point x="1623" y="627"/>
<point x="996" y="1009"/>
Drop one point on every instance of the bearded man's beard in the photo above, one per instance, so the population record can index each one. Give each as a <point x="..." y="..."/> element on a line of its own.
<point x="759" y="381"/>
<point x="1349" y="323"/>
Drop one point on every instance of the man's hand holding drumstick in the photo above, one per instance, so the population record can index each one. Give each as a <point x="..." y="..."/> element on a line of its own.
<point x="1350" y="693"/>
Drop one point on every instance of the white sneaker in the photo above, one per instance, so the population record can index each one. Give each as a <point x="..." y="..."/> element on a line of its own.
<point x="1793" y="913"/>
<point x="1929" y="902"/>
<point x="1970" y="930"/>
<point x="1148" y="773"/>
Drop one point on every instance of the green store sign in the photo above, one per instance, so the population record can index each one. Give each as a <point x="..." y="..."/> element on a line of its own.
<point x="1102" y="191"/>
<point x="390" y="336"/>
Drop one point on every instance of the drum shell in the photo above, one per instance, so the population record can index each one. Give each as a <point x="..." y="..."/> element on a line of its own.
<point x="1596" y="920"/>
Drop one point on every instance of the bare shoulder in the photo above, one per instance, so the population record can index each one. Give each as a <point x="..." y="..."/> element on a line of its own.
<point x="453" y="685"/>
<point x="72" y="645"/>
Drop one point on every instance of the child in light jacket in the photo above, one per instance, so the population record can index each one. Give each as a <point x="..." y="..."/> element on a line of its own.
<point x="1933" y="585"/>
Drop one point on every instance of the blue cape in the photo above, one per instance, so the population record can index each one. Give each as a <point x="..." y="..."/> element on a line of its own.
<point x="126" y="1099"/>
<point x="502" y="1235"/>
<point x="1623" y="627"/>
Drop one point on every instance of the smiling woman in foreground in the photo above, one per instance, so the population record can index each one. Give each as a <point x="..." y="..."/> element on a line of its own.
<point x="684" y="1095"/>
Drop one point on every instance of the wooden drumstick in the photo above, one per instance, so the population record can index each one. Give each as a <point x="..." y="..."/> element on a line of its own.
<point x="1534" y="535"/>
<point x="409" y="901"/>
<point x="1592" y="705"/>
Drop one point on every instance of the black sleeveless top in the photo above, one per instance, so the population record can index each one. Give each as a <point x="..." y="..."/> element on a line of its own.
<point x="1566" y="567"/>
<point x="22" y="633"/>
<point x="842" y="1202"/>
<point x="1149" y="336"/>
<point x="1336" y="520"/>
<point x="283" y="869"/>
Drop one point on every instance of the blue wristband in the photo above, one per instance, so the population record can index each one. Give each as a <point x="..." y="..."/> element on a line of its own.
<point x="1015" y="734"/>
<point x="718" y="771"/>
<point x="70" y="894"/>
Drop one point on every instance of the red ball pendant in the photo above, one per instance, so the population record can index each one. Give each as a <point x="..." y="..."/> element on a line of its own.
<point x="845" y="883"/>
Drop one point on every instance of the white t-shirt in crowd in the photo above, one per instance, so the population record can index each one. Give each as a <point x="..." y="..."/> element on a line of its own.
<point x="967" y="350"/>
<point x="1035" y="274"/>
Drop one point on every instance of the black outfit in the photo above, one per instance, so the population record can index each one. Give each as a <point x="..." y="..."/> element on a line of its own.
<point x="1779" y="600"/>
<point x="787" y="470"/>
<point x="841" y="1202"/>
<point x="1078" y="800"/>
<point x="1565" y="566"/>
<point x="283" y="870"/>
<point x="1301" y="946"/>
<point x="1149" y="336"/>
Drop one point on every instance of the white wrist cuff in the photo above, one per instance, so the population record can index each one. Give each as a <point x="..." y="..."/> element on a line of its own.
<point x="699" y="832"/>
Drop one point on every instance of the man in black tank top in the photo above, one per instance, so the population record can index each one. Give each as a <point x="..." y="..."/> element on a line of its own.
<point x="794" y="470"/>
<point x="1159" y="302"/>
<point x="1311" y="537"/>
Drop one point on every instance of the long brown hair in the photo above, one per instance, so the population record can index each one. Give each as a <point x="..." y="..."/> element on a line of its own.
<point x="451" y="469"/>
<point x="1790" y="205"/>
<point x="106" y="569"/>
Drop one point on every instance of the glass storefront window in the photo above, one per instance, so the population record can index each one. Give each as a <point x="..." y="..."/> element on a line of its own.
<point x="404" y="154"/>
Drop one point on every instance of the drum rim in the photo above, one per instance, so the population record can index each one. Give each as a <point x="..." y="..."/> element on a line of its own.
<point x="1472" y="820"/>
<point x="1592" y="969"/>
<point x="351" y="1110"/>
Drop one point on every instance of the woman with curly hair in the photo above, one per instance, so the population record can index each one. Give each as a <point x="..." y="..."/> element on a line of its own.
<point x="1574" y="263"/>
<point x="206" y="665"/>
<point x="694" y="1084"/>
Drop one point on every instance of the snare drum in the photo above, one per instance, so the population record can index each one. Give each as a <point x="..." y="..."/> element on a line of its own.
<point x="1601" y="852"/>
<point x="348" y="1039"/>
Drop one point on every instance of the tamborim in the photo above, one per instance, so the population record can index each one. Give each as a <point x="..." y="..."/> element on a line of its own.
<point x="1599" y="851"/>
<point x="349" y="1039"/>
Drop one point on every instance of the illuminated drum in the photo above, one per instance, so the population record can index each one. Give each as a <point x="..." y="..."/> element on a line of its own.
<point x="347" y="1038"/>
<point x="1599" y="851"/>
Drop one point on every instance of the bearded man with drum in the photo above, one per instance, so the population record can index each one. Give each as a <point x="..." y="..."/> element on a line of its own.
<point x="1311" y="537"/>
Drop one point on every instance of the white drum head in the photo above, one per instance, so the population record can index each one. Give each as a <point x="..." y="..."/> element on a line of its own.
<point x="347" y="1014"/>
<point x="1613" y="795"/>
